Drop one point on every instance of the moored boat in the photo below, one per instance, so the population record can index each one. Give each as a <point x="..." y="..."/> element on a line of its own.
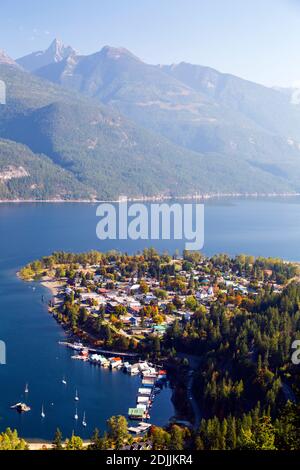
<point x="115" y="362"/>
<point x="20" y="407"/>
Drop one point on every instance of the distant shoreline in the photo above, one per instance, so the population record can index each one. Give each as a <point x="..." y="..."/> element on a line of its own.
<point x="194" y="197"/>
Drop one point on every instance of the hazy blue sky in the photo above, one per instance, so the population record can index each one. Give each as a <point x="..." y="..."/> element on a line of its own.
<point x="255" y="39"/>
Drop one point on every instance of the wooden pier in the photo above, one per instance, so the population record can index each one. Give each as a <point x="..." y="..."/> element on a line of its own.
<point x="99" y="351"/>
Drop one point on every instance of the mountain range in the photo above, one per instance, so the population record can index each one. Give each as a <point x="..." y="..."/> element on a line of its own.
<point x="106" y="124"/>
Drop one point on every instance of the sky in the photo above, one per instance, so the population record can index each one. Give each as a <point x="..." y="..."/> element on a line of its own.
<point x="255" y="39"/>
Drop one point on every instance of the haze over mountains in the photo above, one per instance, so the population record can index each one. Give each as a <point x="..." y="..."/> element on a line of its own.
<point x="110" y="124"/>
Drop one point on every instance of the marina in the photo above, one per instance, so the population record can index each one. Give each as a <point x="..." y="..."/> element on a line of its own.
<point x="141" y="398"/>
<point x="152" y="378"/>
<point x="152" y="383"/>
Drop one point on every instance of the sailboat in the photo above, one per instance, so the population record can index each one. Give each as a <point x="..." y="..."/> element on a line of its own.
<point x="43" y="413"/>
<point x="26" y="388"/>
<point x="64" y="381"/>
<point x="76" y="415"/>
<point x="84" y="423"/>
<point x="76" y="396"/>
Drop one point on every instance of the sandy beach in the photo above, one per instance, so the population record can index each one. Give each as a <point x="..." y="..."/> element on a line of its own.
<point x="49" y="445"/>
<point x="52" y="285"/>
<point x="40" y="446"/>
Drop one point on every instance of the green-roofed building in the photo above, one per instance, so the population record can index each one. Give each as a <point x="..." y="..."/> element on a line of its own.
<point x="136" y="413"/>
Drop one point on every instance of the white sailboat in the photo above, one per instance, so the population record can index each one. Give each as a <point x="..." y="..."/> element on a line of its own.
<point x="26" y="388"/>
<point x="84" y="423"/>
<point x="64" y="381"/>
<point x="43" y="413"/>
<point x="76" y="415"/>
<point x="76" y="396"/>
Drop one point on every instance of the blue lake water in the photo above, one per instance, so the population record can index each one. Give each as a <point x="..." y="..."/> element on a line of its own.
<point x="28" y="231"/>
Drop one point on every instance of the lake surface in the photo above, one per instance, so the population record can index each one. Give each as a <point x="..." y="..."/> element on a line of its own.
<point x="28" y="231"/>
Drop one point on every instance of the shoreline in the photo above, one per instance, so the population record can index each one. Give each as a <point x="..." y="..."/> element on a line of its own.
<point x="47" y="445"/>
<point x="193" y="197"/>
<point x="52" y="285"/>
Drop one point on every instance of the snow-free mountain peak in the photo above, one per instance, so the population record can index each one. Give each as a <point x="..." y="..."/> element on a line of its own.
<point x="5" y="59"/>
<point x="117" y="53"/>
<point x="56" y="52"/>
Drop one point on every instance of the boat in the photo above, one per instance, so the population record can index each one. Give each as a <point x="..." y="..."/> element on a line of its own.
<point x="96" y="359"/>
<point x="76" y="415"/>
<point x="162" y="374"/>
<point x="142" y="399"/>
<point x="150" y="376"/>
<point x="43" y="413"/>
<point x="85" y="353"/>
<point x="76" y="396"/>
<point x="115" y="362"/>
<point x="84" y="423"/>
<point x="133" y="369"/>
<point x="26" y="388"/>
<point x="148" y="382"/>
<point x="143" y="366"/>
<point x="20" y="407"/>
<point x="80" y="357"/>
<point x="76" y="346"/>
<point x="105" y="365"/>
<point x="64" y="381"/>
<point x="146" y="391"/>
<point x="140" y="406"/>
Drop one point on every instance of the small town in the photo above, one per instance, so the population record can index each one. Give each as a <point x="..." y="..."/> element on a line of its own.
<point x="122" y="300"/>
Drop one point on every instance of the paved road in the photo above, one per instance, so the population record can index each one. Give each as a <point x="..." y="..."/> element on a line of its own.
<point x="194" y="362"/>
<point x="193" y="402"/>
